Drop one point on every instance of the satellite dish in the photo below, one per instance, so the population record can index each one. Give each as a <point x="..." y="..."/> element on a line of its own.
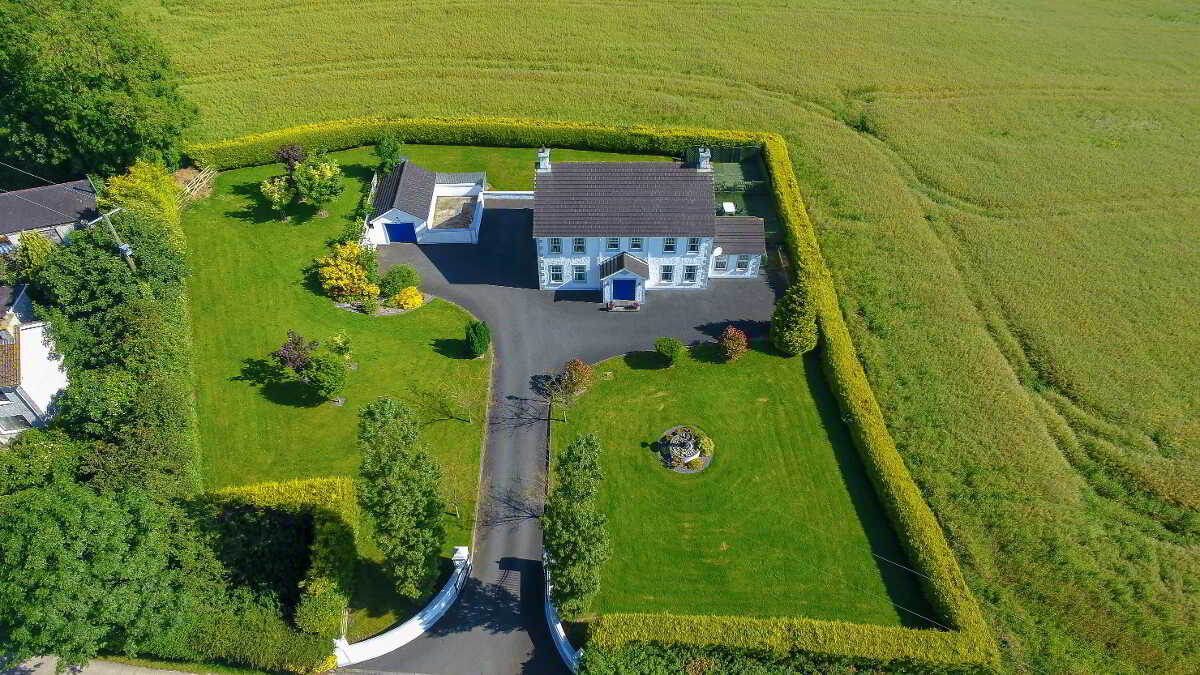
<point x="717" y="251"/>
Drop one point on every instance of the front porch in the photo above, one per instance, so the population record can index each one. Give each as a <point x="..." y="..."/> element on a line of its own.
<point x="623" y="282"/>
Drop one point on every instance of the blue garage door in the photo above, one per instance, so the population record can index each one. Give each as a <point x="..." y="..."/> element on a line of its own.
<point x="401" y="232"/>
<point x="624" y="289"/>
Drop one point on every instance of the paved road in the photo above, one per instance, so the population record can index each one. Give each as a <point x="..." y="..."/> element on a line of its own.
<point x="497" y="626"/>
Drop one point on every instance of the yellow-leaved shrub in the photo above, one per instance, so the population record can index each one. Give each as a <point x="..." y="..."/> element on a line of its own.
<point x="342" y="273"/>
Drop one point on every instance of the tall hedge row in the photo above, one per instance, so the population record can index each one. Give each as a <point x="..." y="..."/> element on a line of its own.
<point x="495" y="131"/>
<point x="969" y="647"/>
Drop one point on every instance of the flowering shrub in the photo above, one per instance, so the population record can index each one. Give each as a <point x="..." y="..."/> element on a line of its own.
<point x="705" y="444"/>
<point x="733" y="343"/>
<point x="342" y="274"/>
<point x="408" y="298"/>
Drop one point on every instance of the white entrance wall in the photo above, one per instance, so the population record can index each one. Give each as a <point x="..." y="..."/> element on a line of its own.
<point x="639" y="293"/>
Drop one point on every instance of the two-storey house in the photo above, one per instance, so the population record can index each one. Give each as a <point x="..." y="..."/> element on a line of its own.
<point x="623" y="228"/>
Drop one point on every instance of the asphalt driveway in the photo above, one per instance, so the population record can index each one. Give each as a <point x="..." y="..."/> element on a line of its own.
<point x="497" y="624"/>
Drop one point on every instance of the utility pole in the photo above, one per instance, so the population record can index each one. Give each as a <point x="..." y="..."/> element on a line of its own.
<point x="125" y="249"/>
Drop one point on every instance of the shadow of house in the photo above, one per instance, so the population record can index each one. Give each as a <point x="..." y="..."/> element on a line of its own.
<point x="504" y="256"/>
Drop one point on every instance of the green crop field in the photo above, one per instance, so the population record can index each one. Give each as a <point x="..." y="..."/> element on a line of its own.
<point x="1006" y="194"/>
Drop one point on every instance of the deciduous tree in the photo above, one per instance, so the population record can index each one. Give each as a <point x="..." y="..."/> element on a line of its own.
<point x="574" y="530"/>
<point x="81" y="573"/>
<point x="390" y="151"/>
<point x="399" y="487"/>
<point x="318" y="180"/>
<point x="85" y="89"/>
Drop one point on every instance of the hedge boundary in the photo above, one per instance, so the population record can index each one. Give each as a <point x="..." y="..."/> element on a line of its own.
<point x="970" y="645"/>
<point x="333" y="505"/>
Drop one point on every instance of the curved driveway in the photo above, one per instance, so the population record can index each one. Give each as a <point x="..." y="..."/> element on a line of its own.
<point x="497" y="625"/>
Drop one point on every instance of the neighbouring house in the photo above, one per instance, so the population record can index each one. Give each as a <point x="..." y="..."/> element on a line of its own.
<point x="627" y="227"/>
<point x="416" y="205"/>
<point x="51" y="211"/>
<point x="31" y="372"/>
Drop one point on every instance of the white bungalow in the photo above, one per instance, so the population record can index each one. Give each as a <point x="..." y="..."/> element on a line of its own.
<point x="627" y="227"/>
<point x="415" y="205"/>
<point x="31" y="371"/>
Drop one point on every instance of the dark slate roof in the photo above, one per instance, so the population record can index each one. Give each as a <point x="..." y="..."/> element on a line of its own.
<point x="46" y="206"/>
<point x="477" y="177"/>
<point x="624" y="261"/>
<point x="623" y="199"/>
<point x="740" y="235"/>
<point x="408" y="187"/>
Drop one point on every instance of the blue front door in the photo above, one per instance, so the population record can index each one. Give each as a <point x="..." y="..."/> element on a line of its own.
<point x="401" y="232"/>
<point x="624" y="289"/>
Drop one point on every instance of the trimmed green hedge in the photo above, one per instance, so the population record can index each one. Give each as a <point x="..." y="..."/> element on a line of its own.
<point x="497" y="131"/>
<point x="969" y="647"/>
<point x="798" y="642"/>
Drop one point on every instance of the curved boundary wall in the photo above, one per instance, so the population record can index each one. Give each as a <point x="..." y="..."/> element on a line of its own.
<point x="570" y="655"/>
<point x="349" y="654"/>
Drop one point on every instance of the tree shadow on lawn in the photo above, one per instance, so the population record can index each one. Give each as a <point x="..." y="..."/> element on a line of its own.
<point x="258" y="210"/>
<point x="274" y="384"/>
<point x="645" y="361"/>
<point x="903" y="587"/>
<point x="452" y="348"/>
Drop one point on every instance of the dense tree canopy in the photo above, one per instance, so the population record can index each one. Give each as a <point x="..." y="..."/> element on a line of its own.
<point x="84" y="89"/>
<point x="80" y="573"/>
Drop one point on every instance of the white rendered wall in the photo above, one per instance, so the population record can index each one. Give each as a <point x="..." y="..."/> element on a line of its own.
<point x="731" y="271"/>
<point x="42" y="374"/>
<point x="596" y="251"/>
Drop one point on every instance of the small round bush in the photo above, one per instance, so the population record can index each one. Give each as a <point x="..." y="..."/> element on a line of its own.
<point x="409" y="298"/>
<point x="669" y="348"/>
<point x="479" y="336"/>
<point x="320" y="608"/>
<point x="370" y="306"/>
<point x="706" y="445"/>
<point x="734" y="343"/>
<point x="397" y="279"/>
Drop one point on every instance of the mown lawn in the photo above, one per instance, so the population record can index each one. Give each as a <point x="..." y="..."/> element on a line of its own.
<point x="783" y="522"/>
<point x="250" y="286"/>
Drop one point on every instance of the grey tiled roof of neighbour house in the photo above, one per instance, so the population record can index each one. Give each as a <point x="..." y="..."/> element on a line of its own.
<point x="47" y="206"/>
<point x="623" y="199"/>
<point x="624" y="261"/>
<point x="408" y="187"/>
<point x="740" y="235"/>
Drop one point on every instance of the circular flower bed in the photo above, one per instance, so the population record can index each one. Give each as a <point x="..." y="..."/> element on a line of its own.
<point x="686" y="449"/>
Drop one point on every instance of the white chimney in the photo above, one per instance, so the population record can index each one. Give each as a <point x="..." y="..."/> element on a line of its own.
<point x="705" y="163"/>
<point x="543" y="160"/>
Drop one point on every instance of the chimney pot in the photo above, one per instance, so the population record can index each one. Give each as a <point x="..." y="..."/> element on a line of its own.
<point x="543" y="160"/>
<point x="705" y="163"/>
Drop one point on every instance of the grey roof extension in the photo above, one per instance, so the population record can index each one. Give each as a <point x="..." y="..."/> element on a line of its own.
<point x="741" y="235"/>
<point x="623" y="199"/>
<point x="476" y="177"/>
<point x="47" y="206"/>
<point x="409" y="188"/>
<point x="624" y="261"/>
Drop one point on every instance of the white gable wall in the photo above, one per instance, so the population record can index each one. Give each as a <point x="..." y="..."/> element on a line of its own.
<point x="42" y="373"/>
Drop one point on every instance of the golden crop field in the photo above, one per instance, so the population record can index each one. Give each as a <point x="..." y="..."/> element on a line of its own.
<point x="1007" y="193"/>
